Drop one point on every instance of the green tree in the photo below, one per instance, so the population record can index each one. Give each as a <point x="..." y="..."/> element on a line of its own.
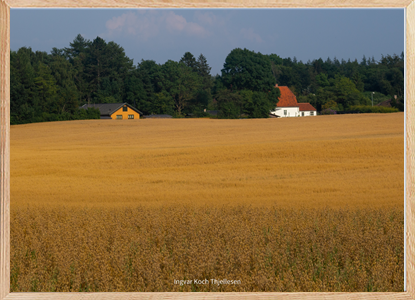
<point x="79" y="45"/>
<point x="107" y="67"/>
<point x="247" y="70"/>
<point x="45" y="87"/>
<point x="275" y="59"/>
<point x="23" y="98"/>
<point x="230" y="104"/>
<point x="358" y="81"/>
<point x="322" y="80"/>
<point x="345" y="91"/>
<point x="57" y="52"/>
<point x="260" y="106"/>
<point x="77" y="55"/>
<point x="150" y="74"/>
<point x="67" y="93"/>
<point x="96" y="66"/>
<point x="203" y="70"/>
<point x="257" y="104"/>
<point x="396" y="81"/>
<point x="189" y="60"/>
<point x="163" y="103"/>
<point x="180" y="82"/>
<point x="323" y="96"/>
<point x="289" y="77"/>
<point x="330" y="104"/>
<point x="218" y="85"/>
<point x="199" y="103"/>
<point x="135" y="93"/>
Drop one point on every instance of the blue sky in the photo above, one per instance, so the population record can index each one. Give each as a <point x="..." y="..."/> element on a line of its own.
<point x="163" y="34"/>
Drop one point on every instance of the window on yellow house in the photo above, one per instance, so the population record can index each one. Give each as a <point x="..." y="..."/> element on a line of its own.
<point x="125" y="108"/>
<point x="130" y="116"/>
<point x="119" y="116"/>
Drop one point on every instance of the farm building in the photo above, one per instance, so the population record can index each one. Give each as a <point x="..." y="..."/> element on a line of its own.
<point x="306" y="109"/>
<point x="288" y="106"/>
<point x="388" y="103"/>
<point x="116" y="111"/>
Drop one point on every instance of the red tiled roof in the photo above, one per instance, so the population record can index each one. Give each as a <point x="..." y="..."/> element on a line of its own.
<point x="306" y="107"/>
<point x="287" y="98"/>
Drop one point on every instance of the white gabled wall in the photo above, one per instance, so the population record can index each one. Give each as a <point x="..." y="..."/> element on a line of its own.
<point x="307" y="113"/>
<point x="291" y="111"/>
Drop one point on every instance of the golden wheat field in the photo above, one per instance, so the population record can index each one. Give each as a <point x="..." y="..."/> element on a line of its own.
<point x="296" y="204"/>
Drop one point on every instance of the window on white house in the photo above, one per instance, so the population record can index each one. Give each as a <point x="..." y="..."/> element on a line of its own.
<point x="285" y="112"/>
<point x="302" y="114"/>
<point x="311" y="113"/>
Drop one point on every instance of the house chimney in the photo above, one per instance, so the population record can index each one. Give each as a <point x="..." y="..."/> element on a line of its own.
<point x="276" y="85"/>
<point x="395" y="97"/>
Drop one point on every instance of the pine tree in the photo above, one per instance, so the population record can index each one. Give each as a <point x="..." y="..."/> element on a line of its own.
<point x="78" y="46"/>
<point x="364" y="61"/>
<point x="189" y="60"/>
<point x="203" y="70"/>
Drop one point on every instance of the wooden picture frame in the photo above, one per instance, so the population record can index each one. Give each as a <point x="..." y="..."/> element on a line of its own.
<point x="408" y="5"/>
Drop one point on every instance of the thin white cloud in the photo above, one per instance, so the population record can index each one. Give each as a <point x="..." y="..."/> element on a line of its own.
<point x="147" y="24"/>
<point x="142" y="26"/>
<point x="208" y="18"/>
<point x="251" y="35"/>
<point x="175" y="22"/>
<point x="195" y="29"/>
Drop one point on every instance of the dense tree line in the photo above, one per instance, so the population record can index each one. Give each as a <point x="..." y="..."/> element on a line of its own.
<point x="247" y="77"/>
<point x="342" y="84"/>
<point x="47" y="87"/>
<point x="42" y="88"/>
<point x="331" y="84"/>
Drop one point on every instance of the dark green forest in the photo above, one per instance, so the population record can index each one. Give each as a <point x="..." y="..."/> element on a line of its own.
<point x="52" y="87"/>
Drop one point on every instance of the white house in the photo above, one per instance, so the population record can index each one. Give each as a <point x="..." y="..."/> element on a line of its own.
<point x="306" y="109"/>
<point x="288" y="106"/>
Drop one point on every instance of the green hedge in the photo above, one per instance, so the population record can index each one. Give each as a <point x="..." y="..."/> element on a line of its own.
<point x="373" y="109"/>
<point x="80" y="114"/>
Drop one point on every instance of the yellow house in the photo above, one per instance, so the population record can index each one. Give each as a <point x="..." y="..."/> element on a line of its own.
<point x="116" y="111"/>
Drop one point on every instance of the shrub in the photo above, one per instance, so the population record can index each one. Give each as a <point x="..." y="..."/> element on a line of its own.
<point x="373" y="109"/>
<point x="328" y="111"/>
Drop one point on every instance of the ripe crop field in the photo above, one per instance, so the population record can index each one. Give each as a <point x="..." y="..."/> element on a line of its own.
<point x="296" y="204"/>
